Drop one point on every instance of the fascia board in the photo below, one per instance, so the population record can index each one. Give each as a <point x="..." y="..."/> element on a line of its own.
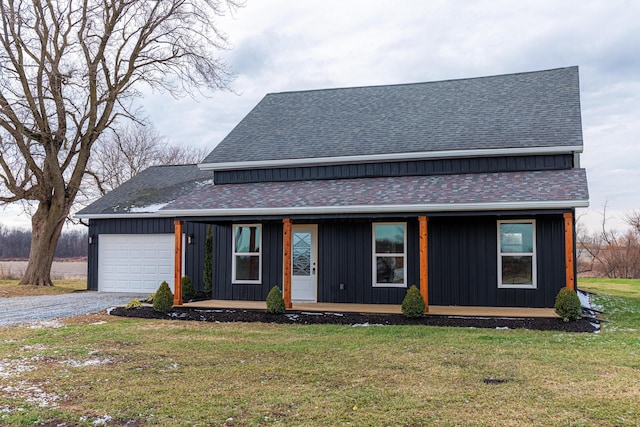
<point x="444" y="207"/>
<point x="118" y="215"/>
<point x="374" y="158"/>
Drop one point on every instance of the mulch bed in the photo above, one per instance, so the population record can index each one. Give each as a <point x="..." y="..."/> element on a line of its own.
<point x="360" y="319"/>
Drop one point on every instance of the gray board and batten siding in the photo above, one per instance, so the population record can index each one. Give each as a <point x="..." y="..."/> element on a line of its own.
<point x="462" y="262"/>
<point x="462" y="259"/>
<point x="404" y="168"/>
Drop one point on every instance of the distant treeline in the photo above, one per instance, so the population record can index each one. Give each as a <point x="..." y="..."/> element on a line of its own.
<point x="16" y="242"/>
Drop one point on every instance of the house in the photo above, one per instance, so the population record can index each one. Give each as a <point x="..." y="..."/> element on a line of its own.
<point x="466" y="188"/>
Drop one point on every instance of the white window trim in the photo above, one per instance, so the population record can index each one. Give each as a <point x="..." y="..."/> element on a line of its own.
<point x="534" y="269"/>
<point x="375" y="255"/>
<point x="234" y="254"/>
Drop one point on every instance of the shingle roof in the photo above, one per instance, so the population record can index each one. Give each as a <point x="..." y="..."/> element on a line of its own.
<point x="566" y="188"/>
<point x="150" y="190"/>
<point x="536" y="109"/>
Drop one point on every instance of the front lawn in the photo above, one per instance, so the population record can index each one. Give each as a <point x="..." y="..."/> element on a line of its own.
<point x="101" y="369"/>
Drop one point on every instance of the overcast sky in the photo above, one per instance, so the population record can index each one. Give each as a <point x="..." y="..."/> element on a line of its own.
<point x="282" y="45"/>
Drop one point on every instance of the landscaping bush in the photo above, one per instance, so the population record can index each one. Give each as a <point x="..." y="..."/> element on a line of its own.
<point x="413" y="304"/>
<point x="208" y="260"/>
<point x="163" y="300"/>
<point x="568" y="305"/>
<point x="134" y="303"/>
<point x="275" y="301"/>
<point x="188" y="291"/>
<point x="150" y="298"/>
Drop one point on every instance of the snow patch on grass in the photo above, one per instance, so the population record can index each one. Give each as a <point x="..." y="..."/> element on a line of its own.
<point x="12" y="368"/>
<point x="82" y="364"/>
<point x="43" y="324"/>
<point x="100" y="421"/>
<point x="30" y="393"/>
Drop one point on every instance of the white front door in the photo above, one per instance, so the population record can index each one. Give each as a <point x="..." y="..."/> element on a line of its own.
<point x="303" y="262"/>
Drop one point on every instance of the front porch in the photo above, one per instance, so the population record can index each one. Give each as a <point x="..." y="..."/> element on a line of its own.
<point x="345" y="268"/>
<point x="511" y="312"/>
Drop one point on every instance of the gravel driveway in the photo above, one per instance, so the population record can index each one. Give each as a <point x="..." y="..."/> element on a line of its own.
<point x="30" y="309"/>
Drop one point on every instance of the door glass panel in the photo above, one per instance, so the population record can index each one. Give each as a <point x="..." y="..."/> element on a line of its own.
<point x="301" y="254"/>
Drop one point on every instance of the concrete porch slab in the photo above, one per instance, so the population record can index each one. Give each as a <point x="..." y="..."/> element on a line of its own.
<point x="515" y="312"/>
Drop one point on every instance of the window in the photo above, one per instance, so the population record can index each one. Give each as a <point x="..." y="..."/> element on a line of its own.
<point x="247" y="256"/>
<point x="517" y="254"/>
<point x="389" y="254"/>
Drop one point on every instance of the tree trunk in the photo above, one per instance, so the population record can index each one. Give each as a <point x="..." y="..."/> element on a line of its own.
<point x="46" y="226"/>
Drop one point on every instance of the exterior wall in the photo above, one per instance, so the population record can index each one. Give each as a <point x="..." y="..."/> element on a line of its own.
<point x="345" y="257"/>
<point x="405" y="168"/>
<point x="462" y="260"/>
<point x="222" y="285"/>
<point x="194" y="253"/>
<point x="463" y="263"/>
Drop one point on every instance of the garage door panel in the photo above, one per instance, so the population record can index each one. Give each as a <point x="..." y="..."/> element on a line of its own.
<point x="135" y="262"/>
<point x="165" y="269"/>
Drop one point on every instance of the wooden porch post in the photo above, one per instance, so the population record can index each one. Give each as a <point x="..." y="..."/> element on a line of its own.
<point x="568" y="250"/>
<point x="286" y="236"/>
<point x="177" y="264"/>
<point x="424" y="260"/>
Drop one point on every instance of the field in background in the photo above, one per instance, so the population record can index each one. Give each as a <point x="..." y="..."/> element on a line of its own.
<point x="68" y="276"/>
<point x="61" y="269"/>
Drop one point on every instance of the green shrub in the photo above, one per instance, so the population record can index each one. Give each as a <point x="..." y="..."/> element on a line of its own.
<point x="275" y="301"/>
<point x="208" y="260"/>
<point x="163" y="300"/>
<point x="568" y="305"/>
<point x="188" y="291"/>
<point x="413" y="304"/>
<point x="134" y="303"/>
<point x="150" y="298"/>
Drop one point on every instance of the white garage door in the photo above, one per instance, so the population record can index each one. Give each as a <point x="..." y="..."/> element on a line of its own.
<point x="135" y="262"/>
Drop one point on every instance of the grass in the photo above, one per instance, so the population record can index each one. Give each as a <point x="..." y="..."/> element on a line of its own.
<point x="620" y="298"/>
<point x="10" y="288"/>
<point x="612" y="287"/>
<point x="173" y="373"/>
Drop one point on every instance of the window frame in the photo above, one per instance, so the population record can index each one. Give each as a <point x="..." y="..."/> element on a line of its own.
<point x="534" y="269"/>
<point x="235" y="254"/>
<point x="375" y="255"/>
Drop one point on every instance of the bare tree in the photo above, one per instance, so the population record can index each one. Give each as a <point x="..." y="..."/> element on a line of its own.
<point x="633" y="219"/>
<point x="610" y="253"/>
<point x="123" y="153"/>
<point x="68" y="72"/>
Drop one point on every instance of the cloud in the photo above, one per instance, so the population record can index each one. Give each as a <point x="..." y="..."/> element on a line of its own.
<point x="279" y="45"/>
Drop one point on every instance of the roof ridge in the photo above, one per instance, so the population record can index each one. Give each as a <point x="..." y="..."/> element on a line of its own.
<point x="288" y="92"/>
